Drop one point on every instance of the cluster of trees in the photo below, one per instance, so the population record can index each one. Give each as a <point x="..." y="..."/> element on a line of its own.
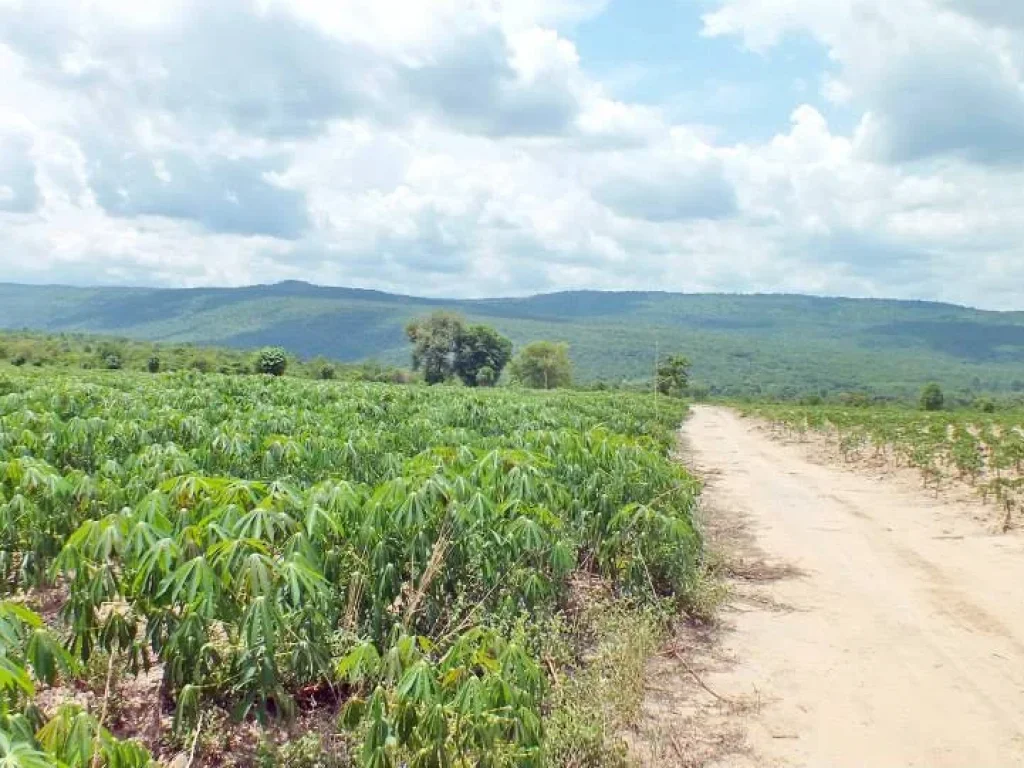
<point x="445" y="347"/>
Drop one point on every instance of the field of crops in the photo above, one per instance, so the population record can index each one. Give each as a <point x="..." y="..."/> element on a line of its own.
<point x="396" y="555"/>
<point x="985" y="450"/>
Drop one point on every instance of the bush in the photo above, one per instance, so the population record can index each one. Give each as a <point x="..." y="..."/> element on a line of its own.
<point x="153" y="365"/>
<point x="271" y="361"/>
<point x="985" y="405"/>
<point x="326" y="372"/>
<point x="19" y="359"/>
<point x="932" y="398"/>
<point x="112" y="362"/>
<point x="855" y="399"/>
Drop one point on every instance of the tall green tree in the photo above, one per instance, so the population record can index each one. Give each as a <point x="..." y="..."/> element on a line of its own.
<point x="543" y="365"/>
<point x="434" y="339"/>
<point x="673" y="375"/>
<point x="481" y="354"/>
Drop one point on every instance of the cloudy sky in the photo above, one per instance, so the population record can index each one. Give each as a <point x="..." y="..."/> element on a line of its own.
<point x="506" y="147"/>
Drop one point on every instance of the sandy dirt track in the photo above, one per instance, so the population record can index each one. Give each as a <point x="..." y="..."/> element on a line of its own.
<point x="900" y="639"/>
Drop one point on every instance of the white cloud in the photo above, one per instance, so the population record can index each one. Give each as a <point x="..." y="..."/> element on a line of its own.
<point x="931" y="76"/>
<point x="460" y="147"/>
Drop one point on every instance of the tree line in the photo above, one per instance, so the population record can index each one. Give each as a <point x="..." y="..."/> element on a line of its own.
<point x="445" y="347"/>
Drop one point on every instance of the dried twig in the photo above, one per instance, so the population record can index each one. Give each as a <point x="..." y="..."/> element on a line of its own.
<point x="437" y="556"/>
<point x="551" y="668"/>
<point x="679" y="657"/>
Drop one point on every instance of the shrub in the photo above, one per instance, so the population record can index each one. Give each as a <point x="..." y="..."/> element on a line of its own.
<point x="326" y="372"/>
<point x="112" y="362"/>
<point x="985" y="405"/>
<point x="19" y="359"/>
<point x="271" y="361"/>
<point x="932" y="398"/>
<point x="153" y="364"/>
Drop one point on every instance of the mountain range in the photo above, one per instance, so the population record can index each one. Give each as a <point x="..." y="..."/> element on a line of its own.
<point x="739" y="344"/>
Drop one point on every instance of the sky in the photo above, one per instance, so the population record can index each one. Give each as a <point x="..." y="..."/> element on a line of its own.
<point x="469" y="148"/>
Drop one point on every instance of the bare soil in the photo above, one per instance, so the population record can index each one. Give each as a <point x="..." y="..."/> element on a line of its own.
<point x="870" y="623"/>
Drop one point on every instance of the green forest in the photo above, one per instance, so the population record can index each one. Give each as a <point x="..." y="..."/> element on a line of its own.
<point x="774" y="346"/>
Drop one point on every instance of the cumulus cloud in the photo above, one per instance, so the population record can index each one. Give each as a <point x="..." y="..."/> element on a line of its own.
<point x="462" y="147"/>
<point x="931" y="77"/>
<point x="998" y="12"/>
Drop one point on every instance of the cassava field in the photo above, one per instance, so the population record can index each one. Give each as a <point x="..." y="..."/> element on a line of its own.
<point x="982" y="450"/>
<point x="192" y="563"/>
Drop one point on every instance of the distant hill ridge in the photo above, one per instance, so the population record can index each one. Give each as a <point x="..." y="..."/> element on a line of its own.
<point x="771" y="343"/>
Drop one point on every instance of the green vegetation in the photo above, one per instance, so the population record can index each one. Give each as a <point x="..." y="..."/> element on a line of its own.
<point x="272" y="361"/>
<point x="543" y="365"/>
<point x="982" y="447"/>
<point x="932" y="398"/>
<point x="759" y="346"/>
<point x="673" y="376"/>
<point x="443" y="346"/>
<point x="407" y="557"/>
<point x="481" y="354"/>
<point x="87" y="352"/>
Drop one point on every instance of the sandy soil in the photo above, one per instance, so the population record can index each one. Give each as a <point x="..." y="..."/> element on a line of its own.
<point x="895" y="639"/>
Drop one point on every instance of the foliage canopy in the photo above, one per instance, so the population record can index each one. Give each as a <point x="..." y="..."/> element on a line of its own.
<point x="543" y="365"/>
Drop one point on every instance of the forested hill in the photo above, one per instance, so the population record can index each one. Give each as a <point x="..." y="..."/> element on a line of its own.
<point x="739" y="343"/>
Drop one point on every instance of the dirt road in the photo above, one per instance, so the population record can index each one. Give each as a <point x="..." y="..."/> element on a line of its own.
<point x="900" y="642"/>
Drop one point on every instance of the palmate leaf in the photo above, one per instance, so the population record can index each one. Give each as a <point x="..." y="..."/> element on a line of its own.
<point x="362" y="663"/>
<point x="73" y="737"/>
<point x="194" y="584"/>
<point x="19" y="753"/>
<point x="321" y="522"/>
<point x="528" y="534"/>
<point x="258" y="573"/>
<point x="70" y="735"/>
<point x="264" y="523"/>
<point x="47" y="656"/>
<point x="155" y="563"/>
<point x="302" y="582"/>
<point x="124" y="754"/>
<point x="418" y="684"/>
<point x="262" y="623"/>
<point x="14" y="677"/>
<point x="227" y="556"/>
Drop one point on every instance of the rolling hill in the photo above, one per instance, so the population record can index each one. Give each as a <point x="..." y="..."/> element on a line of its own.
<point x="740" y="344"/>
